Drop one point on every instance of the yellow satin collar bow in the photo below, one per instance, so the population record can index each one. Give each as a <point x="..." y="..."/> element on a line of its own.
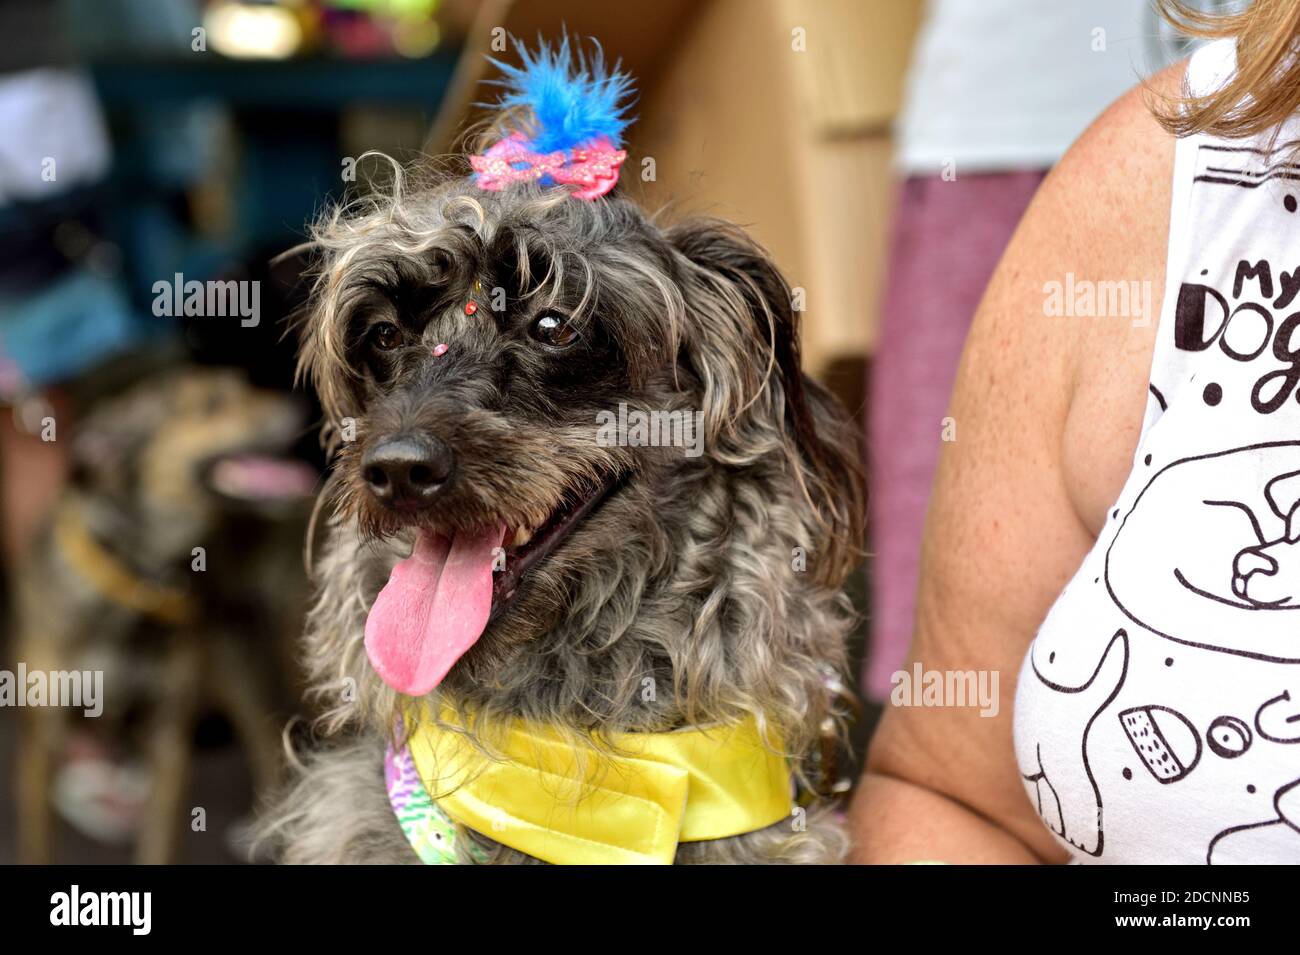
<point x="633" y="807"/>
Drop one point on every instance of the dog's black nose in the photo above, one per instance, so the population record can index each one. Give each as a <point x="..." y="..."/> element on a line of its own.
<point x="407" y="471"/>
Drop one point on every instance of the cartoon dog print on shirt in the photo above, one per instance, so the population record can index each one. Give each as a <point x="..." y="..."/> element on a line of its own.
<point x="1219" y="529"/>
<point x="1268" y="573"/>
<point x="1222" y="534"/>
<point x="1065" y="787"/>
<point x="1207" y="558"/>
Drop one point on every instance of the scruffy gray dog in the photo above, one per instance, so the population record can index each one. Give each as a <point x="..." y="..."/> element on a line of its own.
<point x="465" y="344"/>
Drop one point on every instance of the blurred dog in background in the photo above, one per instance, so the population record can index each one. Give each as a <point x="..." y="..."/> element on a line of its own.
<point x="171" y="564"/>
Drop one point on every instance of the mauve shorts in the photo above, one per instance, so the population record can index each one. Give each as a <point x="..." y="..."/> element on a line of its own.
<point x="947" y="238"/>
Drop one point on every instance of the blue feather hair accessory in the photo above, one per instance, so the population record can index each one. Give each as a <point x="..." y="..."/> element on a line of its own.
<point x="577" y="111"/>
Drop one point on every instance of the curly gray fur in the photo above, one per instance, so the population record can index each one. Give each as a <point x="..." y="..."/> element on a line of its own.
<point x="689" y="575"/>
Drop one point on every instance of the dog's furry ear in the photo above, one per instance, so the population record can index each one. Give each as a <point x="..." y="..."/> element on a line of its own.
<point x="741" y="341"/>
<point x="317" y="322"/>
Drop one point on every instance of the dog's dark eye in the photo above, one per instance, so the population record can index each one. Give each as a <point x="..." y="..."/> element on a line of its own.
<point x="386" y="336"/>
<point x="553" y="330"/>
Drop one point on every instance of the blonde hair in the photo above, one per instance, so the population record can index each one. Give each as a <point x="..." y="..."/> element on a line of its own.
<point x="1265" y="89"/>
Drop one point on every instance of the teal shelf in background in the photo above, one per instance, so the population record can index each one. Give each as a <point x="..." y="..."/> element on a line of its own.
<point x="315" y="83"/>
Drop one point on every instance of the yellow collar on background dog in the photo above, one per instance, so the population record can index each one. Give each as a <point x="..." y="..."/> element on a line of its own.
<point x="632" y="807"/>
<point x="111" y="579"/>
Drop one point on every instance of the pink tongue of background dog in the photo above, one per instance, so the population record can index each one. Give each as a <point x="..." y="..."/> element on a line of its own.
<point x="432" y="610"/>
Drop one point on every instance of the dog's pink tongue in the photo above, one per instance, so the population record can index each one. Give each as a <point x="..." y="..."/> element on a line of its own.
<point x="432" y="610"/>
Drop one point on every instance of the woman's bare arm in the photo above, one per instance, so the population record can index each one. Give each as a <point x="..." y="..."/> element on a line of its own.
<point x="1047" y="414"/>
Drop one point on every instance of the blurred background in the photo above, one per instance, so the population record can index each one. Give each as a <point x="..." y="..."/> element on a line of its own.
<point x="882" y="149"/>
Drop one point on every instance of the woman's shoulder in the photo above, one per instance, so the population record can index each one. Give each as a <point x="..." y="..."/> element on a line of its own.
<point x="1116" y="178"/>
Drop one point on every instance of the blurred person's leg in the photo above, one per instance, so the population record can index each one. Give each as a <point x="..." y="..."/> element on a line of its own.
<point x="948" y="236"/>
<point x="31" y="475"/>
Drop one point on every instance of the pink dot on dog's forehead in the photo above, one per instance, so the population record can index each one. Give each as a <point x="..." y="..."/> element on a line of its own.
<point x="439" y="349"/>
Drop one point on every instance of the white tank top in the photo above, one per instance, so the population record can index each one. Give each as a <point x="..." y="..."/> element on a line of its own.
<point x="1158" y="709"/>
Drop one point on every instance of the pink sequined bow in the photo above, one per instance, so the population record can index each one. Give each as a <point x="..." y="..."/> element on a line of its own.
<point x="593" y="167"/>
